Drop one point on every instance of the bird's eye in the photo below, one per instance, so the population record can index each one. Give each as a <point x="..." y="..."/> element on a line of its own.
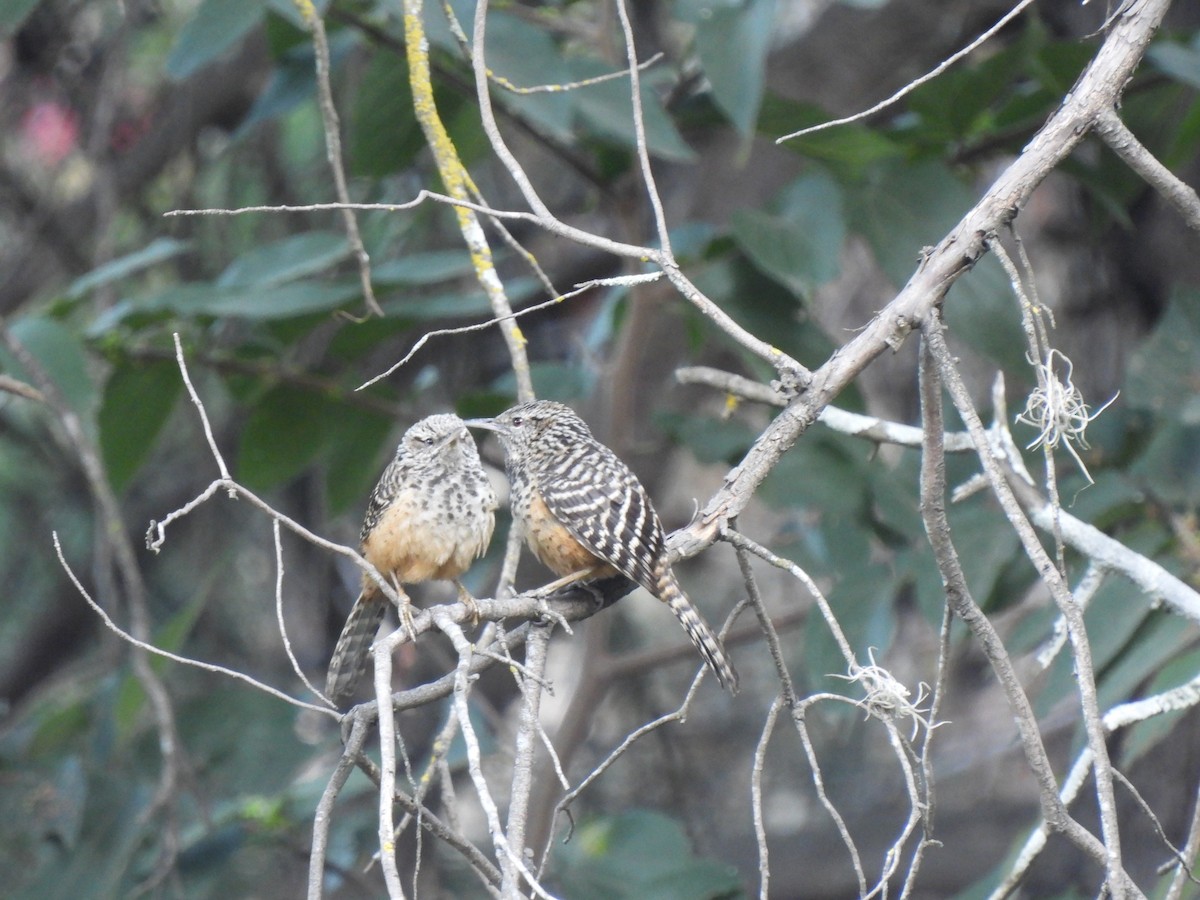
<point x="427" y="441"/>
<point x="518" y="421"/>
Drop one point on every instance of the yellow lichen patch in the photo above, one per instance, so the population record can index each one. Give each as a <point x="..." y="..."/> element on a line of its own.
<point x="308" y="12"/>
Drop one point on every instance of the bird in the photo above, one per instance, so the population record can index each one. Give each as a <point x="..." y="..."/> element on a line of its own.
<point x="430" y="516"/>
<point x="585" y="515"/>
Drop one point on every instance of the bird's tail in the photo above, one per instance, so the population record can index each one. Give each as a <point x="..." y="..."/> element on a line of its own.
<point x="698" y="631"/>
<point x="352" y="653"/>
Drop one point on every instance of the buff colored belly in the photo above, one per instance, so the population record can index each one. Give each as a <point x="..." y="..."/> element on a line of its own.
<point x="413" y="543"/>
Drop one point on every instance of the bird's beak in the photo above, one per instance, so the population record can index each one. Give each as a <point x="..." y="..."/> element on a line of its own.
<point x="485" y="424"/>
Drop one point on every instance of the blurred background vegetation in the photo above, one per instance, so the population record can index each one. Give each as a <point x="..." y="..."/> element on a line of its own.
<point x="114" y="113"/>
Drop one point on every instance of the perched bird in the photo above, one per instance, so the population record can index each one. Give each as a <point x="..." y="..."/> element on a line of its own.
<point x="431" y="515"/>
<point x="584" y="514"/>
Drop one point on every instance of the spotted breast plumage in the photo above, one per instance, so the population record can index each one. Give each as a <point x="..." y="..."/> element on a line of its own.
<point x="430" y="516"/>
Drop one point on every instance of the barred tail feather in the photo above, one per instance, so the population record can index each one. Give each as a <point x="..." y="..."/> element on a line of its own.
<point x="352" y="653"/>
<point x="698" y="631"/>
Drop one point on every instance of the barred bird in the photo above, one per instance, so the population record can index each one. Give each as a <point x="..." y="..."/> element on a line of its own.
<point x="584" y="514"/>
<point x="431" y="515"/>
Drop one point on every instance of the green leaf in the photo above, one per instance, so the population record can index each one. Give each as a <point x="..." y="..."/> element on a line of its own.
<point x="799" y="246"/>
<point x="1166" y="367"/>
<point x="955" y="105"/>
<point x="848" y="150"/>
<point x="823" y="471"/>
<point x="158" y="250"/>
<point x="61" y="354"/>
<point x="285" y="260"/>
<point x="903" y="208"/>
<point x="215" y="27"/>
<point x="733" y="42"/>
<point x="285" y="431"/>
<point x="423" y="268"/>
<point x="385" y="136"/>
<point x="1146" y="735"/>
<point x="203" y="299"/>
<point x="551" y="381"/>
<point x="354" y="438"/>
<point x="282" y="302"/>
<point x="13" y="14"/>
<point x="900" y="210"/>
<point x="1058" y="64"/>
<point x="1169" y="467"/>
<point x="528" y="57"/>
<point x="1177" y="61"/>
<point x="292" y="82"/>
<point x="454" y="304"/>
<point x="608" y="109"/>
<point x="862" y="597"/>
<point x="764" y="306"/>
<point x="710" y="440"/>
<point x="1160" y="637"/>
<point x="138" y="398"/>
<point x="130" y="701"/>
<point x="639" y="854"/>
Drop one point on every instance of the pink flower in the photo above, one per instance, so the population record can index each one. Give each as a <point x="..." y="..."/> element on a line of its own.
<point x="50" y="132"/>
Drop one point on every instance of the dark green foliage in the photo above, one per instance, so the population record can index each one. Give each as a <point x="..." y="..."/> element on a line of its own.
<point x="269" y="310"/>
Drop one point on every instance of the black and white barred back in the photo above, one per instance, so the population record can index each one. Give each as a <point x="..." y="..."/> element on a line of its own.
<point x="550" y="452"/>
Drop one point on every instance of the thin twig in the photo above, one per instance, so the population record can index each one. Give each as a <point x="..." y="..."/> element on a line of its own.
<point x="116" y="538"/>
<point x="937" y="695"/>
<point x="462" y="683"/>
<point x="788" y="688"/>
<point x="581" y="288"/>
<point x="1108" y="854"/>
<point x="799" y="711"/>
<point x="916" y="83"/>
<point x="422" y="196"/>
<point x="756" y="795"/>
<point x="459" y="185"/>
<point x="1183" y="876"/>
<point x="195" y="398"/>
<point x="174" y="657"/>
<point x="333" y="149"/>
<point x="639" y="132"/>
<point x="11" y="385"/>
<point x="871" y="428"/>
<point x="324" y="812"/>
<point x="287" y="643"/>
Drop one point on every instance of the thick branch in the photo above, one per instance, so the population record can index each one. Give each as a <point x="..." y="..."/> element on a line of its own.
<point x="1095" y="94"/>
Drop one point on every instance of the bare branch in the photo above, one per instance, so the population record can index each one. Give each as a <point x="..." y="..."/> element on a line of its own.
<point x="1110" y="855"/>
<point x="1098" y="89"/>
<point x="134" y="592"/>
<point x="1110" y="554"/>
<point x="756" y="795"/>
<point x="1125" y="144"/>
<point x="526" y="740"/>
<point x="916" y="83"/>
<point x="333" y="150"/>
<point x="871" y="428"/>
<point x="174" y="657"/>
<point x="324" y="812"/>
<point x="287" y="643"/>
<point x="422" y="196"/>
<point x="20" y="388"/>
<point x="581" y="288"/>
<point x="639" y="131"/>
<point x="459" y="185"/>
